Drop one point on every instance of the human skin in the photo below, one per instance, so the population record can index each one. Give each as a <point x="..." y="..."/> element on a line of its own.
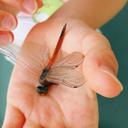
<point x="8" y="11"/>
<point x="64" y="107"/>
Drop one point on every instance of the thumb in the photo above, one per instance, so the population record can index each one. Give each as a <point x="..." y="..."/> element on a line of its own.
<point x="100" y="66"/>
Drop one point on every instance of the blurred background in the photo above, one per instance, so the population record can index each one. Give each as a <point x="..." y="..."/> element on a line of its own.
<point x="113" y="112"/>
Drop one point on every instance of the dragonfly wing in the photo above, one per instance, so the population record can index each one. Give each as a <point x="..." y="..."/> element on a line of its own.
<point x="10" y="52"/>
<point x="72" y="60"/>
<point x="31" y="58"/>
<point x="66" y="76"/>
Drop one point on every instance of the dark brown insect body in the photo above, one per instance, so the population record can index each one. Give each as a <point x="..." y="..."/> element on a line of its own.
<point x="61" y="72"/>
<point x="43" y="88"/>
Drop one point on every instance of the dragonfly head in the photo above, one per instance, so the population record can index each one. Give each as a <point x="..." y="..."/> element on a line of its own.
<point x="42" y="89"/>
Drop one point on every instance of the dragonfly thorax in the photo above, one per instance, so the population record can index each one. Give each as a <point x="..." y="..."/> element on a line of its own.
<point x="44" y="74"/>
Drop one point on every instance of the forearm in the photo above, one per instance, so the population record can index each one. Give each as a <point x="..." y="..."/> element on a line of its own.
<point x="94" y="12"/>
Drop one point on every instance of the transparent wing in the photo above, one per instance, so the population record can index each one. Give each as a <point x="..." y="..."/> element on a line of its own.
<point x="31" y="59"/>
<point x="10" y="52"/>
<point x="72" y="60"/>
<point x="66" y="76"/>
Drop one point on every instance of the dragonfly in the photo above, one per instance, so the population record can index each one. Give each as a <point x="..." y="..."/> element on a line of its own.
<point x="58" y="72"/>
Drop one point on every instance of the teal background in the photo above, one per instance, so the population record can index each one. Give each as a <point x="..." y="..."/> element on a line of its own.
<point x="113" y="112"/>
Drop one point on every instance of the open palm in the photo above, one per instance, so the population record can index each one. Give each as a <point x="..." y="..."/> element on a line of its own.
<point x="62" y="107"/>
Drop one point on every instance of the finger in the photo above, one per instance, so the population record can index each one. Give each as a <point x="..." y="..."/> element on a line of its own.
<point x="28" y="6"/>
<point x="7" y="17"/>
<point x="13" y="118"/>
<point x="100" y="66"/>
<point x="6" y="37"/>
<point x="8" y="10"/>
<point x="7" y="21"/>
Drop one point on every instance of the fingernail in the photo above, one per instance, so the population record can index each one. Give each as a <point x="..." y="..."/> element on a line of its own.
<point x="7" y="23"/>
<point x="29" y="6"/>
<point x="111" y="73"/>
<point x="6" y="38"/>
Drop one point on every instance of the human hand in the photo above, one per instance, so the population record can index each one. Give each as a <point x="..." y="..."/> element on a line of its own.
<point x="8" y="11"/>
<point x="62" y="107"/>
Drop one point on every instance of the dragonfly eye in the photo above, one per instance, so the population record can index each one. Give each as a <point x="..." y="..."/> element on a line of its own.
<point x="42" y="89"/>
